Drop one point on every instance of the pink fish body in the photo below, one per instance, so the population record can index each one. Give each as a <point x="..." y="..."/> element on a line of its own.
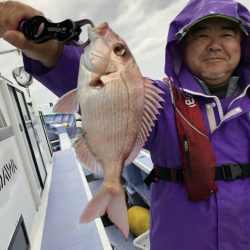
<point x="118" y="109"/>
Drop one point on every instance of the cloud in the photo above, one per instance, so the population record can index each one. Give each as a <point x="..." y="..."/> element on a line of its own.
<point x="142" y="23"/>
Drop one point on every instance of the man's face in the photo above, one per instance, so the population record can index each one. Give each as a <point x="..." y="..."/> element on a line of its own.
<point x="212" y="50"/>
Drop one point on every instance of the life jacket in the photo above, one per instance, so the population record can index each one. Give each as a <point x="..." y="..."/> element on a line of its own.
<point x="199" y="162"/>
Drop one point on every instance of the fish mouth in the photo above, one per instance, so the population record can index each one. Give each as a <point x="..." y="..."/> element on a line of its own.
<point x="96" y="70"/>
<point x="97" y="31"/>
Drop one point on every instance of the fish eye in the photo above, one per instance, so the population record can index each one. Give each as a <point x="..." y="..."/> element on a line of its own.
<point x="119" y="49"/>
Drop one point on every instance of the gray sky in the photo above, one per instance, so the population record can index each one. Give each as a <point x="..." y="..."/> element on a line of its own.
<point x="143" y="24"/>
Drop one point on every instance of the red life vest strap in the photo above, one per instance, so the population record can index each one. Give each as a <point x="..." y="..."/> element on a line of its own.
<point x="198" y="157"/>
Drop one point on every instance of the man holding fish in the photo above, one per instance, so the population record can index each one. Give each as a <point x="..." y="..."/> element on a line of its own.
<point x="200" y="142"/>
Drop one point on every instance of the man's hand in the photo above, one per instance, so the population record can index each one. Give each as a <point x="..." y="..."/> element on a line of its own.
<point x="11" y="15"/>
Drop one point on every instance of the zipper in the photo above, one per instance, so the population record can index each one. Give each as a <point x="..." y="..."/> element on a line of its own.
<point x="193" y="127"/>
<point x="240" y="96"/>
<point x="187" y="152"/>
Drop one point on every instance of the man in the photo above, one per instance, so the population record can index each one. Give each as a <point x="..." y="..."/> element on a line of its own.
<point x="200" y="144"/>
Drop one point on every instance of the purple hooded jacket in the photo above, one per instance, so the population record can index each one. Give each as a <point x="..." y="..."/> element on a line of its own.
<point x="223" y="221"/>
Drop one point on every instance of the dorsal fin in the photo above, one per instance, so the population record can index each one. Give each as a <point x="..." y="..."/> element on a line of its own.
<point x="152" y="103"/>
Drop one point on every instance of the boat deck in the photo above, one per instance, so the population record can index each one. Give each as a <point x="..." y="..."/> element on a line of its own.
<point x="68" y="194"/>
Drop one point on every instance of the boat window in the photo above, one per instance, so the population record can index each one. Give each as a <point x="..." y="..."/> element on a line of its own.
<point x="20" y="240"/>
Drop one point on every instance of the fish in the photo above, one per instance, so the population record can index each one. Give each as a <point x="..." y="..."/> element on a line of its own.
<point x="119" y="108"/>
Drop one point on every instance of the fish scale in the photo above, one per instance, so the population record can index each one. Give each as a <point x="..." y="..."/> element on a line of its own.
<point x="113" y="128"/>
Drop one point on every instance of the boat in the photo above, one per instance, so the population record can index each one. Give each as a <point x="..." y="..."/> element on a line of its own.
<point x="43" y="187"/>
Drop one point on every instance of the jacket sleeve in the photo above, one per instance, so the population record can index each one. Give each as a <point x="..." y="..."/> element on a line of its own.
<point x="63" y="77"/>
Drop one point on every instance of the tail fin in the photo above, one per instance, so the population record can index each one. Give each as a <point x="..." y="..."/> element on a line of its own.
<point x="113" y="204"/>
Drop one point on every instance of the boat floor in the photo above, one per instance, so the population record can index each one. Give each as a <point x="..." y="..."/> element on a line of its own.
<point x="68" y="194"/>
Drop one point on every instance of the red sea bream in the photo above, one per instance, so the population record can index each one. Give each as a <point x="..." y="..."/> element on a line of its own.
<point x="118" y="108"/>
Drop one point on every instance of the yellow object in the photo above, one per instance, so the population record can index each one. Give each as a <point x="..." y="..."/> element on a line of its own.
<point x="65" y="124"/>
<point x="139" y="220"/>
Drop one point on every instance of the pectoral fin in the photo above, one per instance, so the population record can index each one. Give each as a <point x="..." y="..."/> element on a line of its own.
<point x="68" y="103"/>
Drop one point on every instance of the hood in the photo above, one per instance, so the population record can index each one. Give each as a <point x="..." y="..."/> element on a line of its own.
<point x="192" y="12"/>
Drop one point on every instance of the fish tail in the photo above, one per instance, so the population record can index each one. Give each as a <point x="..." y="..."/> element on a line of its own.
<point x="112" y="203"/>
